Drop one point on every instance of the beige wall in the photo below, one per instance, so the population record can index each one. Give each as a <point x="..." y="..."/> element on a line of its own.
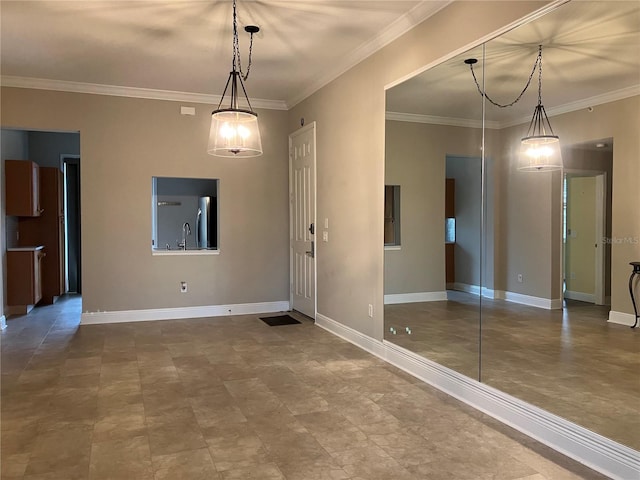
<point x="415" y="160"/>
<point x="123" y="143"/>
<point x="350" y="143"/>
<point x="531" y="209"/>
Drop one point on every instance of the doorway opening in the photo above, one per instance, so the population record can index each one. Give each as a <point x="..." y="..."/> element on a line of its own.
<point x="586" y="224"/>
<point x="71" y="185"/>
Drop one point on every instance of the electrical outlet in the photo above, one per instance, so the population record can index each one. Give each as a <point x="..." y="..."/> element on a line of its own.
<point x="183" y="287"/>
<point x="371" y="310"/>
<point x="519" y="278"/>
<point x="325" y="236"/>
<point x="573" y="275"/>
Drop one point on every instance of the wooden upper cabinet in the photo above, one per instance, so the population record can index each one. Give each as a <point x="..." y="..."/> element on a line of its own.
<point x="22" y="188"/>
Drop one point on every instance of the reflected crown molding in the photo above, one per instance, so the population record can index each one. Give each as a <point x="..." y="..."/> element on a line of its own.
<point x="609" y="97"/>
<point x="133" y="92"/>
<point x="435" y="120"/>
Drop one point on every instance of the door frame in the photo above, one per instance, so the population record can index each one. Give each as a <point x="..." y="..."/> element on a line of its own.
<point x="303" y="129"/>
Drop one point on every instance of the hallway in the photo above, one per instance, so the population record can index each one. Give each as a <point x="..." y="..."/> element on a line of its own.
<point x="232" y="398"/>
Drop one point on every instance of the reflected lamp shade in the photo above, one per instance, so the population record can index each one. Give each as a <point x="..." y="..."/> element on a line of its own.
<point x="234" y="133"/>
<point x="540" y="149"/>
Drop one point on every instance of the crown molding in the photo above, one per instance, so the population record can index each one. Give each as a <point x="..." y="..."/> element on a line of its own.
<point x="399" y="27"/>
<point x="133" y="92"/>
<point x="434" y="120"/>
<point x="559" y="110"/>
<point x="608" y="97"/>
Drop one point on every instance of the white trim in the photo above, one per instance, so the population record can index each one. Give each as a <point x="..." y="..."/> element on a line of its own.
<point x="473" y="289"/>
<point x="498" y="125"/>
<point x="595" y="451"/>
<point x="392" y="248"/>
<point x="395" y="298"/>
<point x="399" y="27"/>
<point x="160" y="252"/>
<point x="132" y="92"/>
<point x="3" y="322"/>
<point x="580" y="104"/>
<point x="547" y="303"/>
<point x="601" y="229"/>
<point x="361" y="340"/>
<point x="580" y="296"/>
<point x="621" y="318"/>
<point x="90" y="318"/>
<point x="490" y="36"/>
<point x="434" y="120"/>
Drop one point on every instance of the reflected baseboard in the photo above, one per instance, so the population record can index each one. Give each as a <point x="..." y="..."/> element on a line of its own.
<point x="580" y="296"/>
<point x="540" y="302"/>
<point x="597" y="452"/>
<point x="546" y="303"/>
<point x="397" y="298"/>
<point x="3" y="322"/>
<point x="473" y="289"/>
<point x="622" y="318"/>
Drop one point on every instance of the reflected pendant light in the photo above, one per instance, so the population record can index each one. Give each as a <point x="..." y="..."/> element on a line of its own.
<point x="234" y="130"/>
<point x="540" y="148"/>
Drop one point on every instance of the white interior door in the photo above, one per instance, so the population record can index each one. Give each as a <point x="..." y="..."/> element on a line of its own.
<point x="302" y="218"/>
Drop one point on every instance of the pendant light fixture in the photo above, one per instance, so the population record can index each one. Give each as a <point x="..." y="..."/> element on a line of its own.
<point x="234" y="130"/>
<point x="540" y="148"/>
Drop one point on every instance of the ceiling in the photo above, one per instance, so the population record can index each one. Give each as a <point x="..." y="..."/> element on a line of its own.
<point x="186" y="45"/>
<point x="591" y="54"/>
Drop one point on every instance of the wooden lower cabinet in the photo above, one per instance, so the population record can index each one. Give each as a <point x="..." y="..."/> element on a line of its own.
<point x="450" y="263"/>
<point x="24" y="279"/>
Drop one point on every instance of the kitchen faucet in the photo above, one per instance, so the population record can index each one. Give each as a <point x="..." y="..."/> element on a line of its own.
<point x="186" y="230"/>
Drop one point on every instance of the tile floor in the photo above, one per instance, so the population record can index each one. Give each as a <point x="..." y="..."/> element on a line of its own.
<point x="232" y="398"/>
<point x="569" y="362"/>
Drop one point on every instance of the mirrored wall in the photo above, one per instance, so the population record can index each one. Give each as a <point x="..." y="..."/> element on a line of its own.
<point x="519" y="279"/>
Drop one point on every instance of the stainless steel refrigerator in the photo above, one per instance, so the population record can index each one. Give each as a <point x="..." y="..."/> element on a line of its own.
<point x="207" y="223"/>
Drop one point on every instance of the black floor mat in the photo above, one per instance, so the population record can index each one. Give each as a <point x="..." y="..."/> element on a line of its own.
<point x="279" y="320"/>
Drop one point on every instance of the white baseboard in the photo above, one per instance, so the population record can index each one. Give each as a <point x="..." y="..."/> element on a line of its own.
<point x="597" y="452"/>
<point x="122" y="316"/>
<point x="546" y="303"/>
<point x="3" y="322"/>
<point x="474" y="289"/>
<point x="622" y="318"/>
<point x="580" y="296"/>
<point x="395" y="298"/>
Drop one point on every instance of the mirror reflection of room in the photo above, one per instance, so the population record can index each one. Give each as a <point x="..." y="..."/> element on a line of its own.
<point x="534" y="265"/>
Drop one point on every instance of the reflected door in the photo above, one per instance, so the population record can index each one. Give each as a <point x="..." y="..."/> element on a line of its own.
<point x="302" y="193"/>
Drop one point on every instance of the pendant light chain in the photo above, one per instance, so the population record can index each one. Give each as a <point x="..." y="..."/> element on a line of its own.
<point x="539" y="61"/>
<point x="236" y="47"/>
<point x="537" y="64"/>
